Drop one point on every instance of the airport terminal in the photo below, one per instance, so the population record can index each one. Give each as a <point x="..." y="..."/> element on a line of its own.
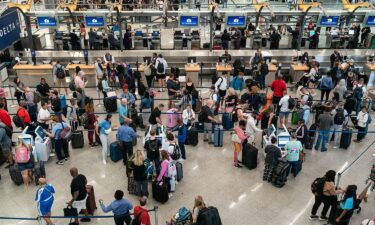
<point x="182" y="112"/>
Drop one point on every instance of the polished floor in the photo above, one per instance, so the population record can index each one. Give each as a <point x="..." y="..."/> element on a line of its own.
<point x="240" y="194"/>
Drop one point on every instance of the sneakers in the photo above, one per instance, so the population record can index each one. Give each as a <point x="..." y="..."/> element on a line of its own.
<point x="104" y="162"/>
<point x="323" y="218"/>
<point x="313" y="217"/>
<point x="85" y="219"/>
<point x="335" y="147"/>
<point x="67" y="158"/>
<point x="170" y="195"/>
<point x="61" y="162"/>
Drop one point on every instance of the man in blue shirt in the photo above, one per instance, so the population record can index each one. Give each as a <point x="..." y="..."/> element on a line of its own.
<point x="44" y="198"/>
<point x="123" y="111"/>
<point x="127" y="95"/>
<point x="120" y="208"/>
<point x="182" y="133"/>
<point x="293" y="148"/>
<point x="126" y="135"/>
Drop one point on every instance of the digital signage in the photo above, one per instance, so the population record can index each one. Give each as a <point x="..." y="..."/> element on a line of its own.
<point x="189" y="21"/>
<point x="329" y="21"/>
<point x="95" y="21"/>
<point x="46" y="21"/>
<point x="236" y="21"/>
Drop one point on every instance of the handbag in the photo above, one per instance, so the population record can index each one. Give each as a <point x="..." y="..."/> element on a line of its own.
<point x="235" y="138"/>
<point x="302" y="156"/>
<point x="69" y="211"/>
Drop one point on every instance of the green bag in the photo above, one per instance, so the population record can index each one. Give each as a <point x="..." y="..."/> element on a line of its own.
<point x="294" y="118"/>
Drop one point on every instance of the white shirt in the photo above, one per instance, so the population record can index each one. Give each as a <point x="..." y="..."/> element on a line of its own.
<point x="43" y="114"/>
<point x="221" y="84"/>
<point x="362" y="119"/>
<point x="161" y="60"/>
<point x="214" y="97"/>
<point x="188" y="115"/>
<point x="251" y="127"/>
<point x="284" y="104"/>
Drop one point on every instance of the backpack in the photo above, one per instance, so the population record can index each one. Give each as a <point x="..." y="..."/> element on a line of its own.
<point x="358" y="93"/>
<point x="309" y="101"/>
<point x="291" y="103"/>
<point x="202" y="115"/>
<point x="65" y="133"/>
<point x="208" y="216"/>
<point x="160" y="68"/>
<point x="147" y="70"/>
<point x="339" y="117"/>
<point x="18" y="121"/>
<point x="195" y="94"/>
<point x="176" y="152"/>
<point x="22" y="155"/>
<point x="84" y="120"/>
<point x="135" y="220"/>
<point x="318" y="185"/>
<point x="264" y="69"/>
<point x="72" y="86"/>
<point x="60" y="72"/>
<point x="36" y="97"/>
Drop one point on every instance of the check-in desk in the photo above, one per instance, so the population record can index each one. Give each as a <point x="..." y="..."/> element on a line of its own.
<point x="192" y="72"/>
<point x="296" y="71"/>
<point x="30" y="74"/>
<point x="370" y="70"/>
<point x="89" y="71"/>
<point x="271" y="74"/>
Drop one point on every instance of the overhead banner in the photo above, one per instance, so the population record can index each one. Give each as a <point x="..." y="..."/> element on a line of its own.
<point x="329" y="21"/>
<point x="46" y="21"/>
<point x="95" y="21"/>
<point x="369" y="21"/>
<point x="189" y="21"/>
<point x="9" y="29"/>
<point x="236" y="21"/>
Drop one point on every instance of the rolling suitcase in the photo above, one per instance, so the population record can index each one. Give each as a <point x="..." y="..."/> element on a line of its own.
<point x="110" y="104"/>
<point x="309" y="143"/>
<point x="160" y="192"/>
<point x="15" y="175"/>
<point x="250" y="156"/>
<point x="115" y="152"/>
<point x="90" y="201"/>
<point x="346" y="138"/>
<point x="218" y="136"/>
<point x="131" y="185"/>
<point x="77" y="139"/>
<point x="180" y="172"/>
<point x="199" y="127"/>
<point x="39" y="171"/>
<point x="172" y="117"/>
<point x="227" y="121"/>
<point x="192" y="136"/>
<point x="279" y="175"/>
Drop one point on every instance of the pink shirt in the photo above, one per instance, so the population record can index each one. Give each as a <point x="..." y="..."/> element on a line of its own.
<point x="240" y="133"/>
<point x="79" y="82"/>
<point x="164" y="170"/>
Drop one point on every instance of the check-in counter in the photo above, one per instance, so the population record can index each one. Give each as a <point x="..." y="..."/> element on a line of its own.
<point x="192" y="72"/>
<point x="89" y="70"/>
<point x="296" y="71"/>
<point x="370" y="70"/>
<point x="271" y="74"/>
<point x="30" y="74"/>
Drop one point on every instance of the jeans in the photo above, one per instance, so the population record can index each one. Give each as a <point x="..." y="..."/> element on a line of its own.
<point x="322" y="139"/>
<point x="361" y="133"/>
<point x="61" y="149"/>
<point x="318" y="201"/>
<point x="149" y="80"/>
<point x="338" y="129"/>
<point x="326" y="93"/>
<point x="208" y="127"/>
<point x="262" y="81"/>
<point x="294" y="167"/>
<point x="104" y="140"/>
<point x="141" y="188"/>
<point x="122" y="219"/>
<point x="127" y="149"/>
<point x="182" y="148"/>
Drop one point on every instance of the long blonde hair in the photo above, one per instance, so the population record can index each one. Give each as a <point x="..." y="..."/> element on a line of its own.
<point x="198" y="202"/>
<point x="139" y="158"/>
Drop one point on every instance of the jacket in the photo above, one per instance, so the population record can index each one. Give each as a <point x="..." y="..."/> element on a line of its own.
<point x="326" y="83"/>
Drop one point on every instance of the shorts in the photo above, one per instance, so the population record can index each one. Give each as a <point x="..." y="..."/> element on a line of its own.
<point x="222" y="93"/>
<point x="283" y="114"/>
<point x="44" y="209"/>
<point x="160" y="76"/>
<point x="25" y="166"/>
<point x="61" y="82"/>
<point x="79" y="205"/>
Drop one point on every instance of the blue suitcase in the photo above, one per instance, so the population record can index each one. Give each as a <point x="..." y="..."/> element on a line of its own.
<point x="115" y="151"/>
<point x="218" y="136"/>
<point x="227" y="121"/>
<point x="62" y="101"/>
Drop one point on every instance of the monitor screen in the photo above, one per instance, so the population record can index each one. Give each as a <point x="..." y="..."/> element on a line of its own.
<point x="282" y="140"/>
<point x="39" y="131"/>
<point x="27" y="141"/>
<point x="46" y="21"/>
<point x="311" y="32"/>
<point x="351" y="32"/>
<point x="192" y="59"/>
<point x="94" y="21"/>
<point x="270" y="130"/>
<point x="236" y="21"/>
<point x="329" y="21"/>
<point x="155" y="33"/>
<point x="189" y="21"/>
<point x="370" y="21"/>
<point x="138" y="33"/>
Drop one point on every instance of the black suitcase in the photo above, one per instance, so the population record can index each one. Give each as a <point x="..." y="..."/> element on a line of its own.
<point x="160" y="192"/>
<point x="192" y="136"/>
<point x="180" y="171"/>
<point x="39" y="171"/>
<point x="77" y="139"/>
<point x="279" y="174"/>
<point x="15" y="175"/>
<point x="250" y="156"/>
<point x="346" y="138"/>
<point x="110" y="104"/>
<point x="309" y="143"/>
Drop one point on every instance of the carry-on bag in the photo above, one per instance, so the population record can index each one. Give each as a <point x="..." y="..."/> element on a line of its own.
<point x="250" y="156"/>
<point x="180" y="172"/>
<point x="90" y="201"/>
<point x="160" y="191"/>
<point x="110" y="104"/>
<point x="15" y="174"/>
<point x="77" y="139"/>
<point x="346" y="138"/>
<point x="218" y="136"/>
<point x="115" y="151"/>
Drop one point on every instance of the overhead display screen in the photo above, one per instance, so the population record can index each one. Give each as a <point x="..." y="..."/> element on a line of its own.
<point x="370" y="21"/>
<point x="189" y="21"/>
<point x="329" y="21"/>
<point x="94" y="21"/>
<point x="46" y="21"/>
<point x="236" y="21"/>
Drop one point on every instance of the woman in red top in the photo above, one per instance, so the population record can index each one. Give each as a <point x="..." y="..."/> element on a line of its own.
<point x="237" y="141"/>
<point x="91" y="121"/>
<point x="23" y="114"/>
<point x="141" y="213"/>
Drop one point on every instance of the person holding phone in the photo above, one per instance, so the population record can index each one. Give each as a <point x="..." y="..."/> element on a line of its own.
<point x="120" y="207"/>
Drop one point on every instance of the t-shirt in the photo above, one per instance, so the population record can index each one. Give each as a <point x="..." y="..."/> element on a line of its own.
<point x="103" y="126"/>
<point x="293" y="148"/>
<point x="43" y="114"/>
<point x="5" y="118"/>
<point x="57" y="129"/>
<point x="79" y="184"/>
<point x="154" y="114"/>
<point x="24" y="115"/>
<point x="273" y="154"/>
<point x="171" y="85"/>
<point x="284" y="104"/>
<point x="123" y="111"/>
<point x="348" y="204"/>
<point x="278" y="87"/>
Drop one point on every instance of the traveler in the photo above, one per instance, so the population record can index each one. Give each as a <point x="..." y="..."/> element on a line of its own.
<point x="275" y="40"/>
<point x="278" y="87"/>
<point x="5" y="117"/>
<point x="221" y="87"/>
<point x="238" y="83"/>
<point x="25" y="161"/>
<point x="325" y="122"/>
<point x="152" y="146"/>
<point x="238" y="137"/>
<point x="127" y="40"/>
<point x="340" y="118"/>
<point x="266" y="118"/>
<point x="186" y="99"/>
<point x="301" y="131"/>
<point x="99" y="69"/>
<point x="127" y="95"/>
<point x="103" y="129"/>
<point x="173" y="89"/>
<point x="71" y="114"/>
<point x="346" y="207"/>
<point x="44" y="90"/>
<point x="123" y="112"/>
<point x="263" y="72"/>
<point x="93" y="40"/>
<point x="103" y="86"/>
<point x="335" y="56"/>
<point x="164" y="166"/>
<point x="108" y="58"/>
<point x="44" y="116"/>
<point x="188" y="115"/>
<point x="181" y="136"/>
<point x="225" y="39"/>
<point x="140" y="175"/>
<point x="79" y="80"/>
<point x="231" y="100"/>
<point x="126" y="135"/>
<point x="198" y="205"/>
<point x="326" y="85"/>
<point x="61" y="145"/>
<point x="120" y="208"/>
<point x="79" y="194"/>
<point x="359" y="91"/>
<point x="59" y="76"/>
<point x="19" y="92"/>
<point x="141" y="213"/>
<point x="23" y="114"/>
<point x="273" y="154"/>
<point x="91" y="121"/>
<point x="257" y="58"/>
<point x="227" y="56"/>
<point x="55" y="102"/>
<point x="207" y="118"/>
<point x="363" y="120"/>
<point x="142" y="89"/>
<point x="284" y="109"/>
<point x="44" y="198"/>
<point x="341" y="89"/>
<point x="161" y="67"/>
<point x="294" y="149"/>
<point x="113" y="42"/>
<point x="146" y="106"/>
<point x="215" y="98"/>
<point x="251" y="127"/>
<point x="155" y="117"/>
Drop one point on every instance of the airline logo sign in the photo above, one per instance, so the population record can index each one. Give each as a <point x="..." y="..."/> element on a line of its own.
<point x="371" y="21"/>
<point x="45" y="21"/>
<point x="190" y="21"/>
<point x="236" y="21"/>
<point x="94" y="21"/>
<point x="329" y="21"/>
<point x="9" y="29"/>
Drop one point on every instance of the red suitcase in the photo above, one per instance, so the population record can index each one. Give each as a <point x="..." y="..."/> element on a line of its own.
<point x="90" y="201"/>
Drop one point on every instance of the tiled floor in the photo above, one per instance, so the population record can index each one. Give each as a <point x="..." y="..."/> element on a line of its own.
<point x="240" y="194"/>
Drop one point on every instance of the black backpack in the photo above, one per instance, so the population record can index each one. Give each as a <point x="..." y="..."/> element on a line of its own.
<point x="339" y="117"/>
<point x="60" y="72"/>
<point x="209" y="216"/>
<point x="264" y="68"/>
<point x="160" y="67"/>
<point x="202" y="115"/>
<point x="135" y="220"/>
<point x="358" y="93"/>
<point x="318" y="185"/>
<point x="176" y="152"/>
<point x="291" y="103"/>
<point x="18" y="121"/>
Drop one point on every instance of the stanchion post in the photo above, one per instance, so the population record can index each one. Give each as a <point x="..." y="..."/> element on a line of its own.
<point x="156" y="215"/>
<point x="99" y="104"/>
<point x="338" y="180"/>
